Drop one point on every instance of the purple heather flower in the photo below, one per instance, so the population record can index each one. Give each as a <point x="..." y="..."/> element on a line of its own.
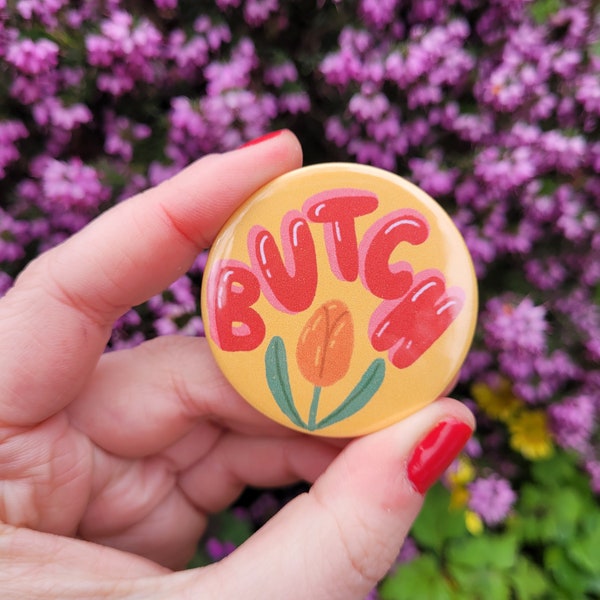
<point x="264" y="507"/>
<point x="45" y="10"/>
<point x="515" y="327"/>
<point x="368" y="107"/>
<point x="491" y="498"/>
<point x="431" y="176"/>
<point x="33" y="57"/>
<point x="157" y="172"/>
<point x="128" y="49"/>
<point x="294" y="103"/>
<point x="546" y="274"/>
<point x="572" y="422"/>
<point x="588" y="93"/>
<point x="51" y="112"/>
<point x="408" y="552"/>
<point x="217" y="549"/>
<point x="188" y="54"/>
<point x="200" y="262"/>
<point x="11" y="234"/>
<point x="176" y="310"/>
<point x="10" y="133"/>
<point x="378" y="13"/>
<point x="216" y="34"/>
<point x="280" y="74"/>
<point x="225" y="4"/>
<point x="120" y="133"/>
<point x="593" y="468"/>
<point x="5" y="283"/>
<point x="256" y="12"/>
<point x="71" y="185"/>
<point x="166" y="4"/>
<point x="429" y="10"/>
<point x="373" y="594"/>
<point x="233" y="74"/>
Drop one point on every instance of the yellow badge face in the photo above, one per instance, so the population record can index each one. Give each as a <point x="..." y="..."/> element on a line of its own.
<point x="339" y="299"/>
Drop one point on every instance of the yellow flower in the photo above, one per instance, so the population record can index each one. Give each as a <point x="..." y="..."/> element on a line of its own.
<point x="459" y="496"/>
<point x="499" y="402"/>
<point x="463" y="473"/>
<point x="473" y="522"/>
<point x="530" y="435"/>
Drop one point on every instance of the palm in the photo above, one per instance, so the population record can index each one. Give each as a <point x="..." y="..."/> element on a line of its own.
<point x="145" y="481"/>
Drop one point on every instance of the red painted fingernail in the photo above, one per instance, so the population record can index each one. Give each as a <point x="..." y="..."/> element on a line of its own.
<point x="435" y="453"/>
<point x="262" y="138"/>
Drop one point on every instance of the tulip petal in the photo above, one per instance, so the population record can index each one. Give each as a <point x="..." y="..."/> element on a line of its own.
<point x="365" y="389"/>
<point x="279" y="382"/>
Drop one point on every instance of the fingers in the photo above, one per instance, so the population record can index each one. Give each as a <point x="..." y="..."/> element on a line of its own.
<point x="140" y="401"/>
<point x="158" y="507"/>
<point x="238" y="461"/>
<point x="42" y="565"/>
<point x="55" y="322"/>
<point x="337" y="541"/>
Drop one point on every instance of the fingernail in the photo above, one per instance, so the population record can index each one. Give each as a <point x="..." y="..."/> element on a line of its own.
<point x="262" y="138"/>
<point x="435" y="453"/>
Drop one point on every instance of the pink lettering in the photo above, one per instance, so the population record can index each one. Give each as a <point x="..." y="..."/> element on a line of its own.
<point x="337" y="210"/>
<point x="409" y="326"/>
<point x="232" y="290"/>
<point x="381" y="239"/>
<point x="289" y="283"/>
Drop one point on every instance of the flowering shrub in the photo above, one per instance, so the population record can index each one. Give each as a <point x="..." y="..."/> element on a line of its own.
<point x="492" y="106"/>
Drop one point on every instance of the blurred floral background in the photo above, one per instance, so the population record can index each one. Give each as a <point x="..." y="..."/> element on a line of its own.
<point x="492" y="106"/>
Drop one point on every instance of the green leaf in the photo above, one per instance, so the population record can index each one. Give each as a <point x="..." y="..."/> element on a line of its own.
<point x="568" y="576"/>
<point x="436" y="523"/>
<point x="420" y="578"/>
<point x="365" y="389"/>
<point x="528" y="580"/>
<point x="542" y="10"/>
<point x="227" y="526"/>
<point x="471" y="584"/>
<point x="584" y="549"/>
<point x="549" y="515"/>
<point x="554" y="471"/>
<point x="278" y="380"/>
<point x="496" y="552"/>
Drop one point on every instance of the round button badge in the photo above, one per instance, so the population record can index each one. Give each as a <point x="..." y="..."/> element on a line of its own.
<point x="338" y="299"/>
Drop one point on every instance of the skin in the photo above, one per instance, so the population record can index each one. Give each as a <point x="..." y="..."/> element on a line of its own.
<point x="111" y="463"/>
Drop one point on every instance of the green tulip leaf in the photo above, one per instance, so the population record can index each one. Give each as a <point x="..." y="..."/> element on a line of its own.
<point x="279" y="382"/>
<point x="365" y="389"/>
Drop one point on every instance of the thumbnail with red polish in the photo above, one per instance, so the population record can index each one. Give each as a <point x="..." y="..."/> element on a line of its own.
<point x="263" y="138"/>
<point x="435" y="453"/>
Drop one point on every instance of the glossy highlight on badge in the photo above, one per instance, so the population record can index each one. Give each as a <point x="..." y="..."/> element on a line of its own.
<point x="338" y="299"/>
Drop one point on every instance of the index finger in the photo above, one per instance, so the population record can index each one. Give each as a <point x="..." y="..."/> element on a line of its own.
<point x="56" y="320"/>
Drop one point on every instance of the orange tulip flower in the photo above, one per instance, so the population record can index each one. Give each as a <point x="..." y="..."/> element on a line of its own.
<point x="325" y="345"/>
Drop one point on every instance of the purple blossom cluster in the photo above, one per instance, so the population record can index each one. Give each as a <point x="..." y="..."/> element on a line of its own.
<point x="489" y="105"/>
<point x="491" y="498"/>
<point x="495" y="114"/>
<point x="104" y="101"/>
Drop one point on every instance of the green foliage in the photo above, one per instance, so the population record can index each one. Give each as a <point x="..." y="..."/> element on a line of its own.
<point x="542" y="10"/>
<point x="549" y="549"/>
<point x="436" y="524"/>
<point x="417" y="579"/>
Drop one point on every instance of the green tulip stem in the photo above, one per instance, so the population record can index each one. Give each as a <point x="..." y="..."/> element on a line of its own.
<point x="312" y="417"/>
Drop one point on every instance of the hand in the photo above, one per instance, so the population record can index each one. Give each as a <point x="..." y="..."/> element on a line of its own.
<point x="111" y="462"/>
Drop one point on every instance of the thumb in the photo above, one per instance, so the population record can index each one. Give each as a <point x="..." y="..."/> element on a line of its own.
<point x="339" y="540"/>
